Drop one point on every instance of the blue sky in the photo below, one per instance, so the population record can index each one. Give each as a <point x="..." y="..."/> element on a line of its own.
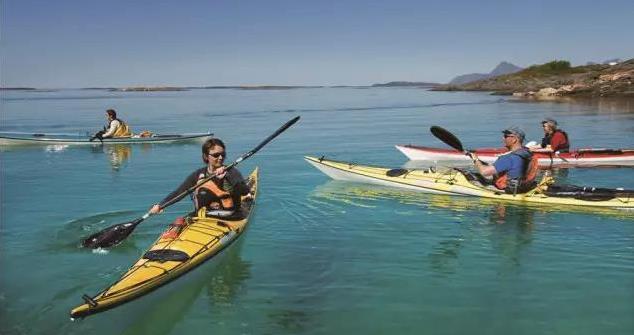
<point x="67" y="44"/>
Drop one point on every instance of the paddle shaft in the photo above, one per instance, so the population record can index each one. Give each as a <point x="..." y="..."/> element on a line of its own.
<point x="204" y="180"/>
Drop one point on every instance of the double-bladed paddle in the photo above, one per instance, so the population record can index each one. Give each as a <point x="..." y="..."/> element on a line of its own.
<point x="114" y="235"/>
<point x="451" y="140"/>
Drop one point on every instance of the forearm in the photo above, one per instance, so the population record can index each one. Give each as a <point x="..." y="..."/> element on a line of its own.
<point x="180" y="192"/>
<point x="485" y="170"/>
<point x="110" y="130"/>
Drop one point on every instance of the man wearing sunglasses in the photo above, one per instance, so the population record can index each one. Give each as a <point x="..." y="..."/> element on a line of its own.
<point x="512" y="172"/>
<point x="220" y="195"/>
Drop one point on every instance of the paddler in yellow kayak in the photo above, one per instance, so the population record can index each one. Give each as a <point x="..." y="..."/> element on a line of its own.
<point x="513" y="172"/>
<point x="220" y="196"/>
<point x="114" y="128"/>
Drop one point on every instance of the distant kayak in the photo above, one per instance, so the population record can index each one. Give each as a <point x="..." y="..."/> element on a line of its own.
<point x="57" y="139"/>
<point x="463" y="183"/>
<point x="579" y="157"/>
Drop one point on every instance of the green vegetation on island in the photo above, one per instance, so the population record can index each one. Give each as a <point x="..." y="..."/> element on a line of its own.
<point x="559" y="78"/>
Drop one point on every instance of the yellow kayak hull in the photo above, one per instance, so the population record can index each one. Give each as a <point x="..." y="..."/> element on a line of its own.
<point x="452" y="182"/>
<point x="201" y="240"/>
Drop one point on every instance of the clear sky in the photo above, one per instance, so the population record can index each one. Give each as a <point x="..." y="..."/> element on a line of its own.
<point x="82" y="43"/>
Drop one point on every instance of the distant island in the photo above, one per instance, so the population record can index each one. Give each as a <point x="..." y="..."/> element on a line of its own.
<point x="147" y="89"/>
<point x="257" y="87"/>
<point x="187" y="88"/>
<point x="17" y="89"/>
<point x="559" y="78"/>
<point x="612" y="78"/>
<point x="500" y="69"/>
<point x="406" y="84"/>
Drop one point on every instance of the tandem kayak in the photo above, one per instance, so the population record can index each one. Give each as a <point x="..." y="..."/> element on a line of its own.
<point x="202" y="239"/>
<point x="579" y="157"/>
<point x="460" y="182"/>
<point x="45" y="139"/>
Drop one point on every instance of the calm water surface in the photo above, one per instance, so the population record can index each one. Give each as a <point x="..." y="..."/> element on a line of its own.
<point x="321" y="257"/>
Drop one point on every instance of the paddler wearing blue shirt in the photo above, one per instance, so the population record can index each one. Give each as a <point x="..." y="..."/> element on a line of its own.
<point x="512" y="172"/>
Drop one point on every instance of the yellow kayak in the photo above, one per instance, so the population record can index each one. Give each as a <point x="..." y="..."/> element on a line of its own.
<point x="459" y="182"/>
<point x="200" y="240"/>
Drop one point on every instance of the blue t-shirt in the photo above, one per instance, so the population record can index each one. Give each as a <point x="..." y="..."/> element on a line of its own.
<point x="510" y="163"/>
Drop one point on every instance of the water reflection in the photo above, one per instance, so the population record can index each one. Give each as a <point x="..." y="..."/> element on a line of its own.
<point x="508" y="229"/>
<point x="365" y="195"/>
<point x="218" y="285"/>
<point x="116" y="154"/>
<point x="588" y="106"/>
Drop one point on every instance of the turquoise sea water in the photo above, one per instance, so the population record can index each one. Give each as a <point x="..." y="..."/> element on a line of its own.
<point x="320" y="257"/>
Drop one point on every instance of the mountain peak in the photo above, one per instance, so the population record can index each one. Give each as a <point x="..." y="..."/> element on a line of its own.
<point x="503" y="68"/>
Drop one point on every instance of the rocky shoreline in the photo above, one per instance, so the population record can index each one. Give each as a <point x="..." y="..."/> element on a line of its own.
<point x="559" y="79"/>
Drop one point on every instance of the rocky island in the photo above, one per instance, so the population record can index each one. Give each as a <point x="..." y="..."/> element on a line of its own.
<point x="147" y="89"/>
<point x="558" y="79"/>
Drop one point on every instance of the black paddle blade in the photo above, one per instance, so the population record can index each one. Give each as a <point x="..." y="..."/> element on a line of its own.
<point x="447" y="137"/>
<point x="110" y="236"/>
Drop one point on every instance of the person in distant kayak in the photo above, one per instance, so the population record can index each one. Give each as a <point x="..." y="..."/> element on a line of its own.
<point x="513" y="172"/>
<point x="221" y="195"/>
<point x="555" y="140"/>
<point x="114" y="128"/>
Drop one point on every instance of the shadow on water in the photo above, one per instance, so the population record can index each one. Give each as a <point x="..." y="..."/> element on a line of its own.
<point x="509" y="229"/>
<point x="218" y="286"/>
<point x="69" y="236"/>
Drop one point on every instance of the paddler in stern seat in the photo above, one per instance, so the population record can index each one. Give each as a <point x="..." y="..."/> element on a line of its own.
<point x="220" y="196"/>
<point x="515" y="171"/>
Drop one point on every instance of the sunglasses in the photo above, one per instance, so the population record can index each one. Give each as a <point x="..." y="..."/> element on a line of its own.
<point x="508" y="135"/>
<point x="217" y="154"/>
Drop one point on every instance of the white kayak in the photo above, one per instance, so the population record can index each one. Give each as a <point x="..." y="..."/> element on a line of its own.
<point x="60" y="139"/>
<point x="579" y="157"/>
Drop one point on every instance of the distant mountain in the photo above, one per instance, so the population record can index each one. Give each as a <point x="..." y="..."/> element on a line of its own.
<point x="502" y="69"/>
<point x="406" y="83"/>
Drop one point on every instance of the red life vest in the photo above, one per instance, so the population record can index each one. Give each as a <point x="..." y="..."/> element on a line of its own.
<point x="564" y="146"/>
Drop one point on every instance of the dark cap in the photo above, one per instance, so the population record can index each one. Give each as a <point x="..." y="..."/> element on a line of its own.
<point x="550" y="121"/>
<point x="519" y="133"/>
